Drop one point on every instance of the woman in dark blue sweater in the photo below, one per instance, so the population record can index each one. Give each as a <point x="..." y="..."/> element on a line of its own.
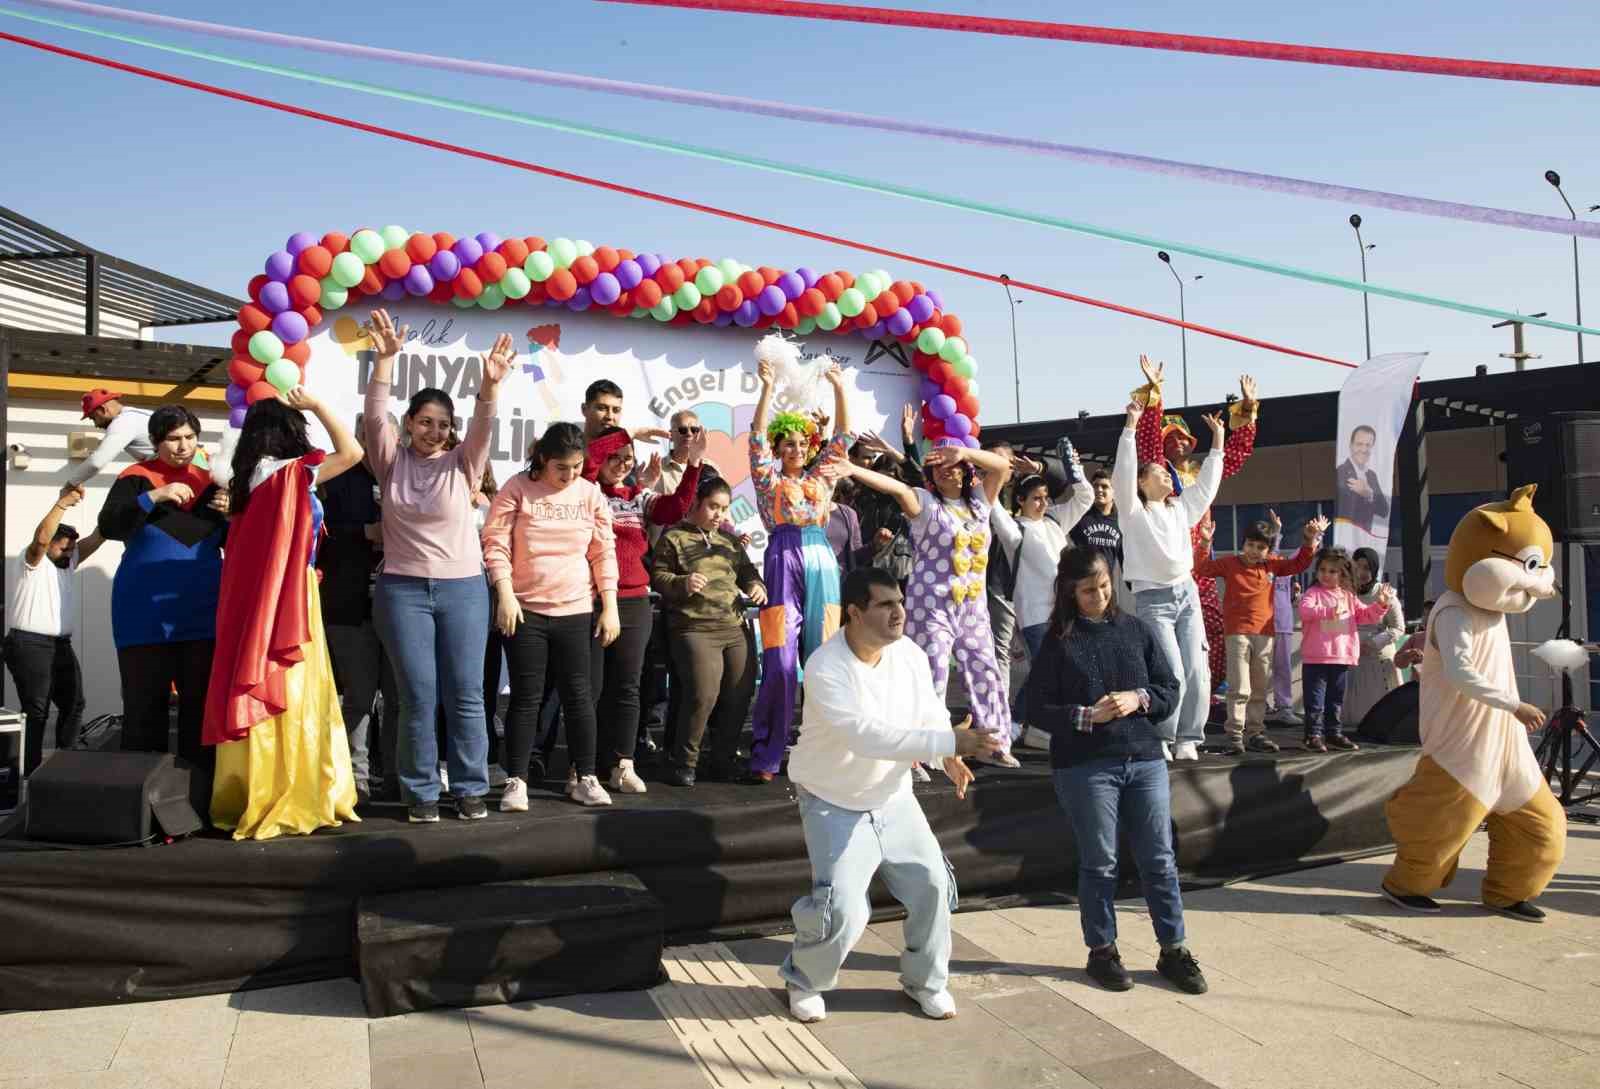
<point x="1100" y="685"/>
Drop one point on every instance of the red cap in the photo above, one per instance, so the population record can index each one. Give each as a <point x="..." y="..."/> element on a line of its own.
<point x="97" y="397"/>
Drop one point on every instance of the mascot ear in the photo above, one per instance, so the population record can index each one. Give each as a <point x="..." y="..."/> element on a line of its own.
<point x="1495" y="520"/>
<point x="1522" y="498"/>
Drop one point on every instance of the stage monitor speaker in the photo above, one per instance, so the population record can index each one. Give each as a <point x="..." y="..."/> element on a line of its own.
<point x="1560" y="452"/>
<point x="1393" y="719"/>
<point x="106" y="798"/>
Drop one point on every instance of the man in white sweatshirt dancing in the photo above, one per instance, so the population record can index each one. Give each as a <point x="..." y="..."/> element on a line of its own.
<point x="871" y="712"/>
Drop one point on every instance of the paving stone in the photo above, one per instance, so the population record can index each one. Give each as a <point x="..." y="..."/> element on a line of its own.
<point x="1147" y="1071"/>
<point x="456" y="1069"/>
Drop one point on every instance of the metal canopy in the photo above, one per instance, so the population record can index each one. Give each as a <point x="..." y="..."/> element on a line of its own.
<point x="113" y="360"/>
<point x="36" y="258"/>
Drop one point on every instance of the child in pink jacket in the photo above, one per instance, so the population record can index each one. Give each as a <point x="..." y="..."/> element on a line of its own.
<point x="1330" y="645"/>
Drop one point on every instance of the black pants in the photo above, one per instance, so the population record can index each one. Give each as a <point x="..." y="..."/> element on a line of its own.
<point x="716" y="672"/>
<point x="614" y="675"/>
<point x="556" y="646"/>
<point x="45" y="671"/>
<point x="491" y="689"/>
<point x="149" y="673"/>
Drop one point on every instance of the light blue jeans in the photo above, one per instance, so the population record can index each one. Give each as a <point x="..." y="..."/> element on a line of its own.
<point x="847" y="847"/>
<point x="435" y="631"/>
<point x="1173" y="612"/>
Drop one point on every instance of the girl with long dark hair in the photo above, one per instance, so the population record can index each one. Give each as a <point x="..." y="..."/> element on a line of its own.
<point x="272" y="708"/>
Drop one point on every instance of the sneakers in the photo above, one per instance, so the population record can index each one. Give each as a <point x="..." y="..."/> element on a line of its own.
<point x="1105" y="968"/>
<point x="999" y="760"/>
<point x="806" y="1007"/>
<point x="1166" y="751"/>
<point x="1313" y="743"/>
<point x="1182" y="970"/>
<point x="1342" y="743"/>
<point x="1425" y="905"/>
<point x="1261" y="743"/>
<point x="1035" y="738"/>
<point x="514" y="799"/>
<point x="471" y="809"/>
<point x="919" y="774"/>
<point x="1521" y="910"/>
<point x="938" y="1005"/>
<point x="1284" y="716"/>
<point x="423" y="813"/>
<point x="588" y="791"/>
<point x="1186" y="750"/>
<point x="625" y="780"/>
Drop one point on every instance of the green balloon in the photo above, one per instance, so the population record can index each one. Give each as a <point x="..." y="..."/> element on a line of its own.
<point x="491" y="297"/>
<point x="851" y="302"/>
<point x="687" y="297"/>
<point x="347" y="269"/>
<point x="394" y="238"/>
<point x="463" y="303"/>
<point x="539" y="266"/>
<point x="954" y="348"/>
<point x="515" y="283"/>
<point x="867" y="284"/>
<point x="709" y="280"/>
<point x="333" y="296"/>
<point x="265" y="347"/>
<point x="883" y="278"/>
<point x="964" y="367"/>
<point x="563" y="251"/>
<point x="805" y="326"/>
<point x="930" y="340"/>
<point x="584" y="247"/>
<point x="970" y="362"/>
<point x="830" y="318"/>
<point x="283" y="375"/>
<point x="638" y="312"/>
<point x="367" y="245"/>
<point x="730" y="269"/>
<point x="665" y="310"/>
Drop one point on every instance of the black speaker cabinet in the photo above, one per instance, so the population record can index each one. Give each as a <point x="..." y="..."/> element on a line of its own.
<point x="1560" y="452"/>
<point x="1393" y="719"/>
<point x="106" y="798"/>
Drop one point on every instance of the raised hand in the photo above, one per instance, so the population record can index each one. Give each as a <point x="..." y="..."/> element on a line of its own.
<point x="695" y="448"/>
<point x="1274" y="522"/>
<point x="1385" y="594"/>
<point x="1206" y="531"/>
<point x="1152" y="371"/>
<point x="302" y="399"/>
<point x="1219" y="431"/>
<point x="1135" y="410"/>
<point x="834" y="375"/>
<point x="1315" y="529"/>
<point x="650" y="475"/>
<point x="943" y="456"/>
<point x="1247" y="389"/>
<point x="908" y="420"/>
<point x="497" y="364"/>
<point x="765" y="373"/>
<point x="386" y="339"/>
<point x="71" y="495"/>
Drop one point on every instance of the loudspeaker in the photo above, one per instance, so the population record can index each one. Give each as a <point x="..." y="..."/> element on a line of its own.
<point x="1560" y="452"/>
<point x="1393" y="719"/>
<point x="106" y="798"/>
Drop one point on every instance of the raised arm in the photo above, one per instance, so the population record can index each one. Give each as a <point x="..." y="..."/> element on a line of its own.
<point x="766" y="375"/>
<point x="1197" y="500"/>
<point x="123" y="430"/>
<point x="901" y="492"/>
<point x="1148" y="397"/>
<point x="994" y="468"/>
<point x="1242" y="439"/>
<point x="474" y="449"/>
<point x="841" y="402"/>
<point x="1125" y="470"/>
<point x="1071" y="510"/>
<point x="45" y="532"/>
<point x="347" y="452"/>
<point x="382" y="441"/>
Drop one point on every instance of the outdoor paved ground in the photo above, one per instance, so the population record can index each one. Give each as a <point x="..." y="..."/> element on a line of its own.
<point x="1315" y="982"/>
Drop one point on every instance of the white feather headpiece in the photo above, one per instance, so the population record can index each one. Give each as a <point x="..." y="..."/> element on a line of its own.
<point x="799" y="378"/>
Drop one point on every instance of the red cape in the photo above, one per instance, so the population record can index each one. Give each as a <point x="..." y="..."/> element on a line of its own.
<point x="262" y="618"/>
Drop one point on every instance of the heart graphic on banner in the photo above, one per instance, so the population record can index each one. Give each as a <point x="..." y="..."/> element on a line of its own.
<point x="730" y="454"/>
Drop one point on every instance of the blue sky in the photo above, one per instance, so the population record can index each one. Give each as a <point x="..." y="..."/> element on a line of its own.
<point x="205" y="188"/>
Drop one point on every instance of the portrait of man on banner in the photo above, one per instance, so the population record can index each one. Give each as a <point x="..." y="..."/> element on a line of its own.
<point x="1372" y="414"/>
<point x="1361" y="499"/>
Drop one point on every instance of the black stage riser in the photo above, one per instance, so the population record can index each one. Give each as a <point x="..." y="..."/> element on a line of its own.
<point x="207" y="915"/>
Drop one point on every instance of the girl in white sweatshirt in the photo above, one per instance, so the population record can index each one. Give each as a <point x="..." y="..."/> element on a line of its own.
<point x="1158" y="559"/>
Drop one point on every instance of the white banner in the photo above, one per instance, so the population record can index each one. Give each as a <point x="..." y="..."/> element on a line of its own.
<point x="661" y="369"/>
<point x="1372" y="413"/>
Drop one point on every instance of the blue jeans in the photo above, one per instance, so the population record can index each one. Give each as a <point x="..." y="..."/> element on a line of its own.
<point x="435" y="631"/>
<point x="1100" y="797"/>
<point x="1173" y="612"/>
<point x="1323" y="687"/>
<point x="1033" y="638"/>
<point x="848" y="846"/>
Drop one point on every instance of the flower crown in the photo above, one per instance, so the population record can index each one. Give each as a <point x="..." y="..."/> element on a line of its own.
<point x="785" y="424"/>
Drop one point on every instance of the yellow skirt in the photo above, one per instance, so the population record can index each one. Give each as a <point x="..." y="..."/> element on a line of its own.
<point x="291" y="774"/>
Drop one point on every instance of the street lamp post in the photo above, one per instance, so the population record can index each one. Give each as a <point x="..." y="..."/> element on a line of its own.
<point x="1183" y="330"/>
<point x="1366" y="313"/>
<point x="1016" y="365"/>
<point x="1577" y="292"/>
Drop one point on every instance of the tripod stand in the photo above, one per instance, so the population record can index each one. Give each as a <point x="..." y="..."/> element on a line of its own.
<point x="1555" y="749"/>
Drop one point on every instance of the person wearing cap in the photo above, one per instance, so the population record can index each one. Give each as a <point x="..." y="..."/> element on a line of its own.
<point x="126" y="428"/>
<point x="38" y="646"/>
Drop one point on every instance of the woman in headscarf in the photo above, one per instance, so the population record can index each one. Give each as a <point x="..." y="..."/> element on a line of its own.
<point x="1376" y="675"/>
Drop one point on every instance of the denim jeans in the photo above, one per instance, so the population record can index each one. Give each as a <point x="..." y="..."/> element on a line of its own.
<point x="1101" y="796"/>
<point x="1033" y="638"/>
<point x="1324" y="696"/>
<point x="847" y="847"/>
<point x="1174" y="614"/>
<point x="434" y="631"/>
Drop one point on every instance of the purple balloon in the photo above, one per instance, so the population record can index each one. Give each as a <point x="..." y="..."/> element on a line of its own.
<point x="772" y="300"/>
<point x="274" y="297"/>
<point x="605" y="289"/>
<point x="467" y="250"/>
<point x="580" y="299"/>
<point x="957" y="424"/>
<point x="290" y="327"/>
<point x="747" y="314"/>
<point x="929" y="389"/>
<point x="280" y="266"/>
<point x="921" y="308"/>
<point x="791" y="285"/>
<point x="971" y="442"/>
<point x="234" y="395"/>
<point x="873" y="331"/>
<point x="300" y="240"/>
<point x="807" y="277"/>
<point x="629" y="274"/>
<point x="419" y="281"/>
<point x="236" y="415"/>
<point x="648" y="263"/>
<point x="445" y="266"/>
<point x="394" y="290"/>
<point x="899" y="322"/>
<point x="489" y="242"/>
<point x="942" y="407"/>
<point x="724" y="317"/>
<point x="938" y="303"/>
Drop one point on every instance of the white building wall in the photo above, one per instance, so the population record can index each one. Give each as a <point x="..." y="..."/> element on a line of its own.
<point x="24" y="309"/>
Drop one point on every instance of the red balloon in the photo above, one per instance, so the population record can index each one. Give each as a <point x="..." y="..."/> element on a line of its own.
<point x="561" y="285"/>
<point x="932" y="429"/>
<point x="607" y="258"/>
<point x="886" y="303"/>
<point x="951" y="325"/>
<point x="443" y="240"/>
<point x="705" y="310"/>
<point x="585" y="269"/>
<point x="534" y="243"/>
<point x="811" y="302"/>
<point x="298" y="353"/>
<point x="977" y="429"/>
<point x="769" y="275"/>
<point x="916" y="286"/>
<point x="372" y="283"/>
<point x="955" y="386"/>
<point x="765" y="321"/>
<point x="245" y="371"/>
<point x="789" y="316"/>
<point x="315" y="261"/>
<point x="689" y="267"/>
<point x="421" y="248"/>
<point x="257" y="282"/>
<point x="670" y="277"/>
<point x="467" y="284"/>
<point x="491" y="266"/>
<point x="625" y="254"/>
<point x="902" y="291"/>
<point x="751" y="283"/>
<point x="940" y="372"/>
<point x="253" y="319"/>
<point x="922" y="361"/>
<point x="335" y="243"/>
<point x="514" y="250"/>
<point x="313" y="316"/>
<point x="729" y="297"/>
<point x="536" y="295"/>
<point x="240" y="343"/>
<point x="304" y="291"/>
<point x="967" y="404"/>
<point x="683" y="317"/>
<point x="259" y="391"/>
<point x="830" y="286"/>
<point x="647" y="294"/>
<point x="868" y="316"/>
<point x="846" y="278"/>
<point x="622" y="307"/>
<point x="442" y="292"/>
<point x="394" y="264"/>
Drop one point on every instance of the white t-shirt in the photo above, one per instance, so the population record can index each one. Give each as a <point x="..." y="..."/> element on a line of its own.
<point x="864" y="726"/>
<point x="1042" y="544"/>
<point x="130" y="431"/>
<point x="1157" y="550"/>
<point x="45" y="601"/>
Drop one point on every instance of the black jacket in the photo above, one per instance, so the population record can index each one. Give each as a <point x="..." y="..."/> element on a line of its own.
<point x="1117" y="655"/>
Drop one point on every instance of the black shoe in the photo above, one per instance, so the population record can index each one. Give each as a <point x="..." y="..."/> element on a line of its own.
<point x="1522" y="910"/>
<point x="1232" y="748"/>
<point x="1342" y="743"/>
<point x="1261" y="743"/>
<point x="681" y="777"/>
<point x="471" y="809"/>
<point x="424" y="813"/>
<point x="1182" y="970"/>
<point x="1426" y="905"/>
<point x="1105" y="968"/>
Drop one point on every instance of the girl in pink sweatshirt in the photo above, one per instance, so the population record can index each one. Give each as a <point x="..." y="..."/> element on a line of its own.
<point x="1330" y="644"/>
<point x="550" y="552"/>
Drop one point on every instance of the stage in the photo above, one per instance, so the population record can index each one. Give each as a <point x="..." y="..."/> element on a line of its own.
<point x="207" y="915"/>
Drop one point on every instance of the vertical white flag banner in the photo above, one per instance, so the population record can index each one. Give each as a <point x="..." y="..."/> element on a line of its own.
<point x="1372" y="413"/>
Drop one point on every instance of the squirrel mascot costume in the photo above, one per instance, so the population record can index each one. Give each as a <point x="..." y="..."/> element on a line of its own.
<point x="1476" y="761"/>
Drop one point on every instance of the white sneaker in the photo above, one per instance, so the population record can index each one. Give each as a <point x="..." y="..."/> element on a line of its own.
<point x="806" y="1007"/>
<point x="1035" y="738"/>
<point x="919" y="774"/>
<point x="1186" y="750"/>
<point x="1166" y="751"/>
<point x="590" y="792"/>
<point x="514" y="799"/>
<point x="939" y="1005"/>
<point x="999" y="760"/>
<point x="625" y="780"/>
